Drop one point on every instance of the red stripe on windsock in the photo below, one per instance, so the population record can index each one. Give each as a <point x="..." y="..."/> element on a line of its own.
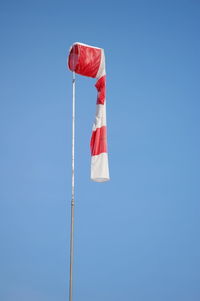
<point x="84" y="60"/>
<point x="98" y="142"/>
<point x="101" y="88"/>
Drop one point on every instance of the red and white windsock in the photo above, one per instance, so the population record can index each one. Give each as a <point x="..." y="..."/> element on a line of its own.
<point x="90" y="61"/>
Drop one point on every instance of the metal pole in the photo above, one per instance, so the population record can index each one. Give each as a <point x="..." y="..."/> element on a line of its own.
<point x="72" y="201"/>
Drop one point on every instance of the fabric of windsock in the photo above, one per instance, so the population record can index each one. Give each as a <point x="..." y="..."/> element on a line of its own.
<point x="90" y="61"/>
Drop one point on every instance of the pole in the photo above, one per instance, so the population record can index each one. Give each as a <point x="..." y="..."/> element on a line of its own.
<point x="72" y="201"/>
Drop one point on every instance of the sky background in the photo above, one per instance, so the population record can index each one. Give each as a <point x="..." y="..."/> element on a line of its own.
<point x="137" y="236"/>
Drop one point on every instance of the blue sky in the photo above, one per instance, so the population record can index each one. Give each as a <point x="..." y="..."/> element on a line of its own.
<point x="137" y="236"/>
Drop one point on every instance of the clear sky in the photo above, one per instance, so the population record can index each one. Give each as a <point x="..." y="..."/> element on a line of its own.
<point x="137" y="236"/>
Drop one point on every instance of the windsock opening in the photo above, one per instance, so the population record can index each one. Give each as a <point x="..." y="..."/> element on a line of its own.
<point x="73" y="57"/>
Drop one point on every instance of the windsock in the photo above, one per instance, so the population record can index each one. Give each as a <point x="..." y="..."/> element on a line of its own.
<point x="90" y="61"/>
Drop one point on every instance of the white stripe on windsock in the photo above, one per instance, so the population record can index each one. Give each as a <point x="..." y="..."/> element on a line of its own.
<point x="102" y="68"/>
<point x="99" y="168"/>
<point x="100" y="117"/>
